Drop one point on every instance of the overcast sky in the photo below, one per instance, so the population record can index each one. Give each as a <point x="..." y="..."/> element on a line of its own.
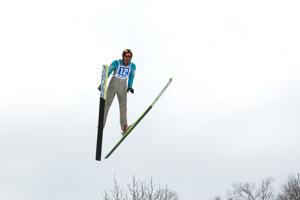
<point x="231" y="114"/>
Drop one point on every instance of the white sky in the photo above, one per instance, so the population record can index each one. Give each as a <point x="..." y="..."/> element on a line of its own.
<point x="231" y="113"/>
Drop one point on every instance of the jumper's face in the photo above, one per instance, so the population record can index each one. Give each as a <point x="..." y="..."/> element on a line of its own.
<point x="127" y="57"/>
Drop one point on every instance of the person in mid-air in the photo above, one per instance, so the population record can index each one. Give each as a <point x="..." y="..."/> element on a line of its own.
<point x="120" y="84"/>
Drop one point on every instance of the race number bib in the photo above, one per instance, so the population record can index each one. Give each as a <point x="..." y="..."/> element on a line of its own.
<point x="123" y="72"/>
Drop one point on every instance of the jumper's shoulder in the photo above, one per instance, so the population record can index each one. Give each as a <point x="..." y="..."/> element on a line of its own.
<point x="115" y="63"/>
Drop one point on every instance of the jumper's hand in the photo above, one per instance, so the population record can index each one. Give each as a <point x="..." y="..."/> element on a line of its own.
<point x="131" y="90"/>
<point x="99" y="88"/>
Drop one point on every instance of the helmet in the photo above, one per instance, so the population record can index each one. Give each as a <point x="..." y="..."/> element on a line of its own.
<point x="125" y="52"/>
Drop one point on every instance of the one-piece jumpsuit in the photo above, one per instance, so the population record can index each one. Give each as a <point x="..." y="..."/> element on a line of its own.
<point x="118" y="85"/>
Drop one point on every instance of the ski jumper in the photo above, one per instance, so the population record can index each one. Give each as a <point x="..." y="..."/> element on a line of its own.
<point x="118" y="85"/>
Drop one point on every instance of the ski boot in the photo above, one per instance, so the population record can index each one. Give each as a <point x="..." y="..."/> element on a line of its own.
<point x="126" y="128"/>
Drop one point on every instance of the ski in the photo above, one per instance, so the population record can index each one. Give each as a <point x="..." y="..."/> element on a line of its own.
<point x="101" y="111"/>
<point x="139" y="119"/>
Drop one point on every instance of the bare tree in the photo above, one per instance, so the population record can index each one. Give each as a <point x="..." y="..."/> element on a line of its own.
<point x="290" y="190"/>
<point x="140" y="190"/>
<point x="117" y="193"/>
<point x="249" y="191"/>
<point x="217" y="198"/>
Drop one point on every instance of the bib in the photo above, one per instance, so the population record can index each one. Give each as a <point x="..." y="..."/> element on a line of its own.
<point x="123" y="72"/>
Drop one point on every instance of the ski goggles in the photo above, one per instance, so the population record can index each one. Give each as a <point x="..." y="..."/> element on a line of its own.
<point x="128" y="55"/>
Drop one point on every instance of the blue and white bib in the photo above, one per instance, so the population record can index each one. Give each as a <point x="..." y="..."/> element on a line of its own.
<point x="123" y="71"/>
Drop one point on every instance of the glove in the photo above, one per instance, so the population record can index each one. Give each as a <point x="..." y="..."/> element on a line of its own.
<point x="131" y="90"/>
<point x="99" y="88"/>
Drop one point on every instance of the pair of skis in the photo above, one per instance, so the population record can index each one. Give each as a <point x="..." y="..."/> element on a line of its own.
<point x="101" y="114"/>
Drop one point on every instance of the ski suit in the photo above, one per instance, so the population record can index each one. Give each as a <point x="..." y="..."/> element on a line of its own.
<point x="118" y="85"/>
